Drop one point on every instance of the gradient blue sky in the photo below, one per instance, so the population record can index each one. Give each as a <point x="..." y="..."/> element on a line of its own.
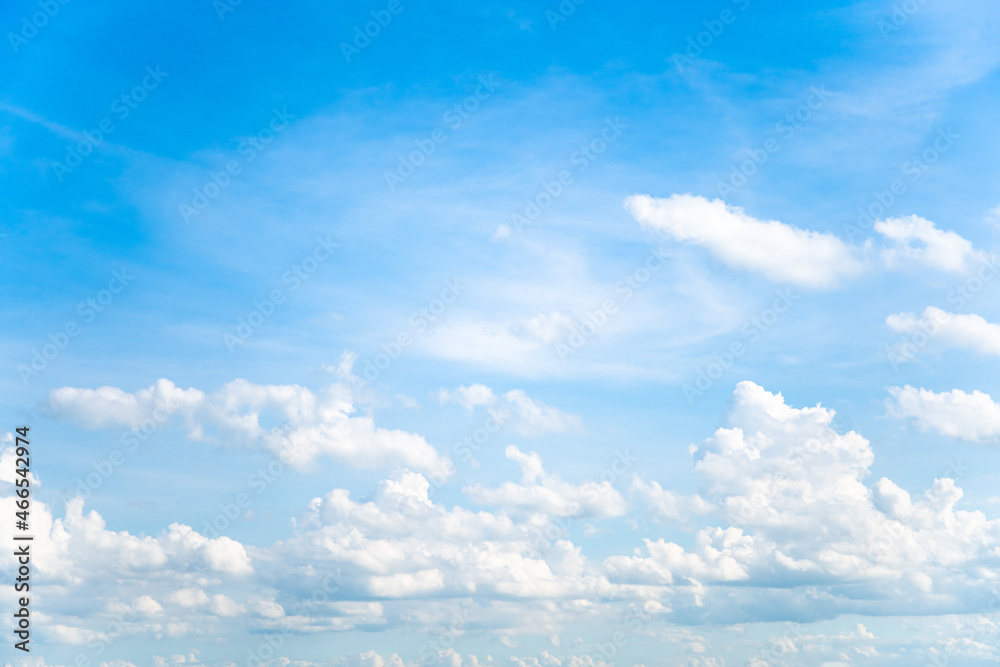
<point x="874" y="85"/>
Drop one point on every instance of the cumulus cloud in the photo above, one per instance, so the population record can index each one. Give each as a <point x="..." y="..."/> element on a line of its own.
<point x="950" y="329"/>
<point x="399" y="545"/>
<point x="548" y="493"/>
<point x="792" y="491"/>
<point x="781" y="252"/>
<point x="143" y="583"/>
<point x="955" y="413"/>
<point x="313" y="425"/>
<point x="785" y="510"/>
<point x="108" y="406"/>
<point x="918" y="241"/>
<point x="669" y="506"/>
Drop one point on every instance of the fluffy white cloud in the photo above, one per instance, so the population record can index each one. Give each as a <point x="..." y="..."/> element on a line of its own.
<point x="800" y="514"/>
<point x="954" y="413"/>
<point x="105" y="406"/>
<point x="132" y="584"/>
<point x="954" y="330"/>
<point x="402" y="548"/>
<point x="785" y="511"/>
<point x="667" y="505"/>
<point x="779" y="251"/>
<point x="917" y="240"/>
<point x="314" y="425"/>
<point x="548" y="494"/>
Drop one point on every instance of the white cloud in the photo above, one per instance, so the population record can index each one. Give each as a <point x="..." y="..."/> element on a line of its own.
<point x="314" y="425"/>
<point x="548" y="494"/>
<point x="993" y="215"/>
<point x="147" y="606"/>
<point x="468" y="397"/>
<point x="369" y="659"/>
<point x="784" y="509"/>
<point x="536" y="417"/>
<point x="954" y="413"/>
<point x="189" y="597"/>
<point x="955" y="330"/>
<point x="399" y="545"/>
<point x="517" y="410"/>
<point x="779" y="251"/>
<point x="138" y="584"/>
<point x="8" y="458"/>
<point x="105" y="406"/>
<point x="407" y="401"/>
<point x="502" y="346"/>
<point x="819" y="648"/>
<point x="917" y="240"/>
<point x="669" y="506"/>
<point x="551" y="328"/>
<point x="799" y="514"/>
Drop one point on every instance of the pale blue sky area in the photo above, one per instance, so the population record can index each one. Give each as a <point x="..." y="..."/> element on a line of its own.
<point x="379" y="241"/>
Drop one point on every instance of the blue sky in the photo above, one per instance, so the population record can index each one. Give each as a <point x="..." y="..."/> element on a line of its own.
<point x="551" y="321"/>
